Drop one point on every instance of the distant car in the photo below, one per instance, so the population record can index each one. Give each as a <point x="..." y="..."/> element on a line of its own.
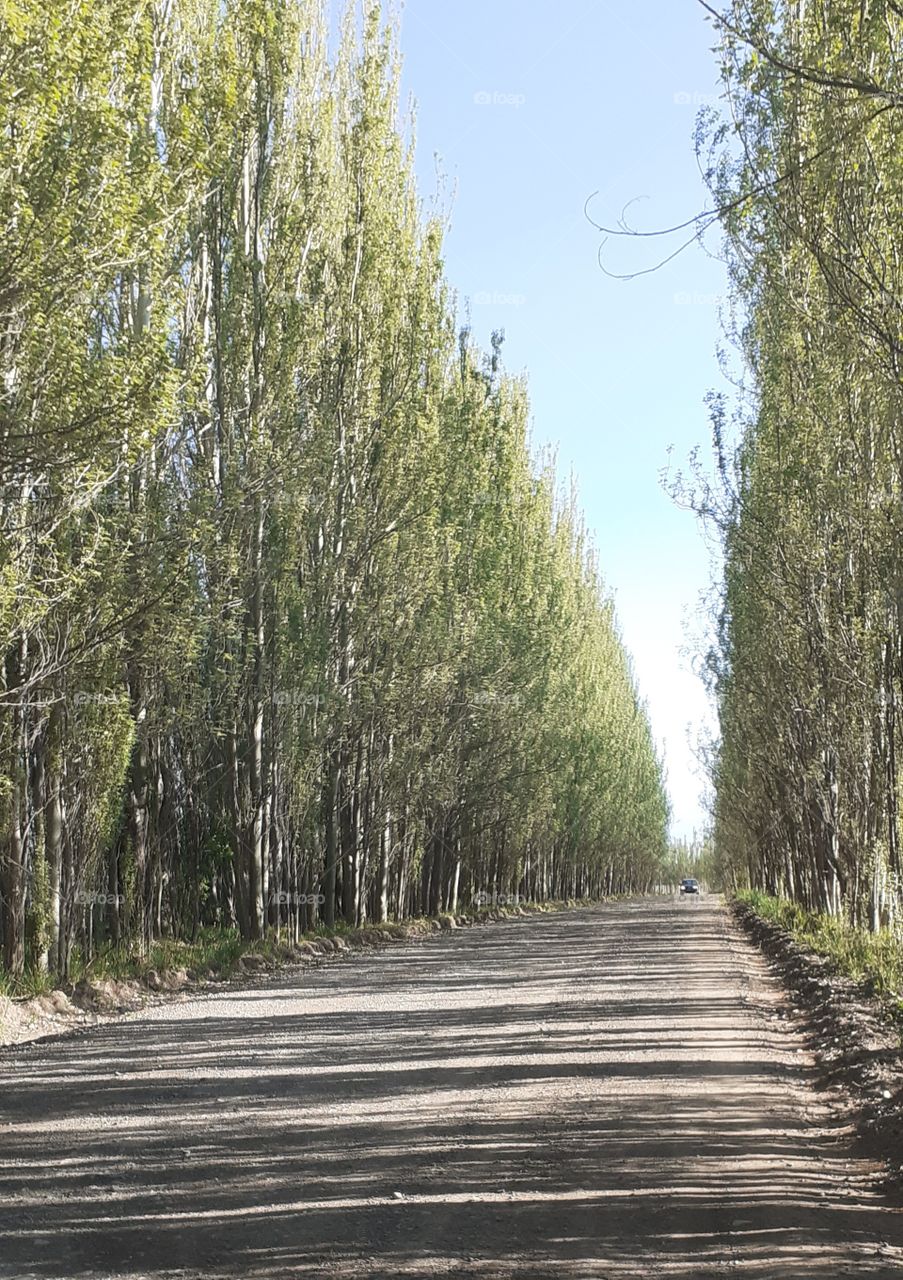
<point x="689" y="886"/>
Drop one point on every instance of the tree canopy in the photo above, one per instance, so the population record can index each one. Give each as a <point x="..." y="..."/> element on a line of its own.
<point x="808" y="665"/>
<point x="295" y="626"/>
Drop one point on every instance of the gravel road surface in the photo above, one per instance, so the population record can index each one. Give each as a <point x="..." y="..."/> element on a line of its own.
<point x="616" y="1092"/>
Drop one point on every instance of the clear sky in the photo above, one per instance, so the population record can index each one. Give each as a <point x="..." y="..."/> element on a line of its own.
<point x="528" y="108"/>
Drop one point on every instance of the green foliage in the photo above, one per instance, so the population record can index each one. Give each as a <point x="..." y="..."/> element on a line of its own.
<point x="31" y="982"/>
<point x="38" y="922"/>
<point x="805" y="663"/>
<point x="295" y="627"/>
<point x="876" y="958"/>
<point x="696" y="858"/>
<point x="215" y="949"/>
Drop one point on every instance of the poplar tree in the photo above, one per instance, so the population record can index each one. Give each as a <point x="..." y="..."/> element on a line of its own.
<point x="296" y="628"/>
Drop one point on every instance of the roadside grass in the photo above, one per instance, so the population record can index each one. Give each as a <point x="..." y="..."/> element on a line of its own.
<point x="215" y="951"/>
<point x="873" y="958"/>
<point x="33" y="982"/>
<point x="219" y="952"/>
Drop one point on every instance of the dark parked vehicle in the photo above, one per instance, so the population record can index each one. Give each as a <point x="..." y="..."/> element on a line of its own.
<point x="689" y="886"/>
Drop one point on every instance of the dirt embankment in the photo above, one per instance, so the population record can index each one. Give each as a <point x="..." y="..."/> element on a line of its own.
<point x="854" y="1041"/>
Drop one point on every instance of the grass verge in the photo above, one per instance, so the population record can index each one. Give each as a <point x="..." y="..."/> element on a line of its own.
<point x="219" y="953"/>
<point x="875" y="959"/>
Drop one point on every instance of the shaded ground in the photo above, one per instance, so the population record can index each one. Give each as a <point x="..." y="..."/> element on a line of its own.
<point x="599" y="1093"/>
<point x="95" y="999"/>
<point x="855" y="1032"/>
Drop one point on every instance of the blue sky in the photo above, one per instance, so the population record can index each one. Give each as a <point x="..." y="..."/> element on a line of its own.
<point x="528" y="109"/>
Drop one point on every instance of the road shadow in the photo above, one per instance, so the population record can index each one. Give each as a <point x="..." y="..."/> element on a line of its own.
<point x="588" y="1094"/>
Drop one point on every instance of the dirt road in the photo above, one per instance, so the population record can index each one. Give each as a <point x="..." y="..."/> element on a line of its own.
<point x="602" y="1093"/>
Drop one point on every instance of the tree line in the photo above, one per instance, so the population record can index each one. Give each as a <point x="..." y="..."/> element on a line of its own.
<point x="807" y="664"/>
<point x="295" y="627"/>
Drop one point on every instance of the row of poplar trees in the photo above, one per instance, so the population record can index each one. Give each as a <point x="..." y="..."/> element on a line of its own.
<point x="808" y="664"/>
<point x="293" y="627"/>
